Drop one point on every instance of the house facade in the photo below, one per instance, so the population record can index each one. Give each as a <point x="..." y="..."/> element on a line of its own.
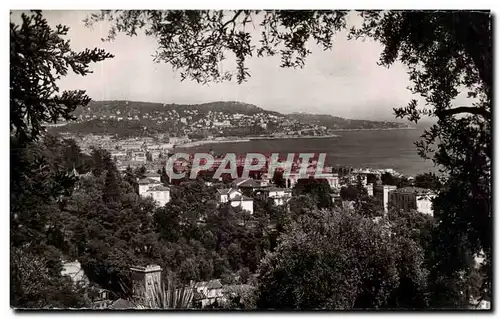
<point x="208" y="292"/>
<point x="416" y="198"/>
<point x="382" y="193"/>
<point x="159" y="193"/>
<point x="236" y="198"/>
<point x="280" y="196"/>
<point x="153" y="175"/>
<point x="145" y="184"/>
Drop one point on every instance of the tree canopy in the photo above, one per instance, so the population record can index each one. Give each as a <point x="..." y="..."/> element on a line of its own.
<point x="40" y="178"/>
<point x="341" y="260"/>
<point x="446" y="53"/>
<point x="39" y="57"/>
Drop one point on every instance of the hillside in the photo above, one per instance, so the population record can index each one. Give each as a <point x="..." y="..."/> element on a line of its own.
<point x="221" y="118"/>
<point x="336" y="122"/>
<point x="102" y="108"/>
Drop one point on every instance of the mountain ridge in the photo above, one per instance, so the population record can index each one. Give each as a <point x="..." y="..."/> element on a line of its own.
<point x="231" y="107"/>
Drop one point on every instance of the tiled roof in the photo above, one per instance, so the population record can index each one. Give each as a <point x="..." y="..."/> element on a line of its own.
<point x="249" y="183"/>
<point x="413" y="190"/>
<point x="147" y="180"/>
<point x="214" y="284"/>
<point x="277" y="189"/>
<point x="122" y="304"/>
<point x="157" y="188"/>
<point x="152" y="174"/>
<point x="223" y="191"/>
<point x="242" y="198"/>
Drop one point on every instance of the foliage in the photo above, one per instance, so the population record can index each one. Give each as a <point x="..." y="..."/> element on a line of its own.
<point x="349" y="193"/>
<point x="446" y="53"/>
<point x="278" y="179"/>
<point x="323" y="259"/>
<point x="168" y="296"/>
<point x="39" y="56"/>
<point x="318" y="189"/>
<point x="318" y="264"/>
<point x="428" y="180"/>
<point x="36" y="283"/>
<point x="399" y="181"/>
<point x="195" y="42"/>
<point x="40" y="178"/>
<point x="367" y="206"/>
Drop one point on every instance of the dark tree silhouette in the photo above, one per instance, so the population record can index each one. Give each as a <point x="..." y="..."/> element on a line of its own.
<point x="39" y="56"/>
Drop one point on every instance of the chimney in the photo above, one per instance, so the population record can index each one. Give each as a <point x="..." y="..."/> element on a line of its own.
<point x="145" y="281"/>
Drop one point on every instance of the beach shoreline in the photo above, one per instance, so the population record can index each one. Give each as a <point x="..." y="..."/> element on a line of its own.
<point x="205" y="142"/>
<point x="263" y="138"/>
<point x="249" y="139"/>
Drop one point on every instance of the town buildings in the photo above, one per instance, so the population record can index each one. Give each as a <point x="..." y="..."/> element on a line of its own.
<point x="236" y="199"/>
<point x="382" y="193"/>
<point x="152" y="187"/>
<point x="207" y="293"/>
<point x="413" y="198"/>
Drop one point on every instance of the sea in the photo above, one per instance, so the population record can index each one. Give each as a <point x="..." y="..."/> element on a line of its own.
<point x="377" y="149"/>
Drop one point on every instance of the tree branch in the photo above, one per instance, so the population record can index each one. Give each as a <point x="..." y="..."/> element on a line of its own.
<point x="464" y="109"/>
<point x="233" y="20"/>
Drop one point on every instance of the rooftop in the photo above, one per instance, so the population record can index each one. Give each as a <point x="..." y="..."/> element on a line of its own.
<point x="158" y="188"/>
<point x="413" y="190"/>
<point x="147" y="268"/>
<point x="147" y="180"/>
<point x="250" y="183"/>
<point x="238" y="181"/>
<point x="122" y="304"/>
<point x="212" y="284"/>
<point x="242" y="197"/>
<point x="152" y="174"/>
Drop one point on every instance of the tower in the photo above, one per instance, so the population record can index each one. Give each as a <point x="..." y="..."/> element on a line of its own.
<point x="382" y="193"/>
<point x="145" y="281"/>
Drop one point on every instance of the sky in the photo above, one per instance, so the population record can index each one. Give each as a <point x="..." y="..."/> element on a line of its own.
<point x="345" y="81"/>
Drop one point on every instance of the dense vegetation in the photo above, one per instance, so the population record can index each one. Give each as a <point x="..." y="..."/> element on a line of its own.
<point x="447" y="53"/>
<point x="101" y="221"/>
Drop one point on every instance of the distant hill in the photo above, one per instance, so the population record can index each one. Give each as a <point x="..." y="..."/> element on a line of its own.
<point x="101" y="108"/>
<point x="220" y="118"/>
<point x="336" y="122"/>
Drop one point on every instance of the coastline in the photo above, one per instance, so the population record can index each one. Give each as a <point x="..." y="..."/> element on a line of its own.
<point x="204" y="142"/>
<point x="249" y="139"/>
<point x="258" y="138"/>
<point x="375" y="129"/>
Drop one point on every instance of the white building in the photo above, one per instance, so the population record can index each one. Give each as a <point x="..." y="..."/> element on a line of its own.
<point x="369" y="189"/>
<point x="416" y="198"/>
<point x="145" y="184"/>
<point x="75" y="272"/>
<point x="159" y="193"/>
<point x="382" y="193"/>
<point x="208" y="292"/>
<point x="280" y="196"/>
<point x="153" y="175"/>
<point x="333" y="181"/>
<point x="155" y="154"/>
<point x="139" y="156"/>
<point x="236" y="199"/>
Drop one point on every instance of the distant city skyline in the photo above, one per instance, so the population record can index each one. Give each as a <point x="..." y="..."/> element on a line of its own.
<point x="344" y="82"/>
